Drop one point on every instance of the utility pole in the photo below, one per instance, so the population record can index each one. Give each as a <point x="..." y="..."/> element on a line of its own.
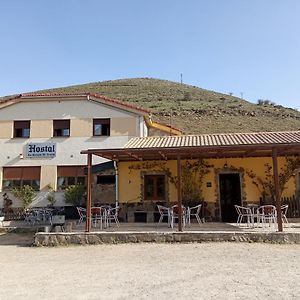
<point x="181" y="78"/>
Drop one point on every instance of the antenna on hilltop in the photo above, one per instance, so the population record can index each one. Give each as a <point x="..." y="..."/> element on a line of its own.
<point x="181" y="78"/>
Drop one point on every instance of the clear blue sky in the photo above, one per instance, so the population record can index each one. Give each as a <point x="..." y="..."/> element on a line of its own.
<point x="248" y="46"/>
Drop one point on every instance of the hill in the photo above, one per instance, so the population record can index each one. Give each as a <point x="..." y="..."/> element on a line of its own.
<point x="192" y="109"/>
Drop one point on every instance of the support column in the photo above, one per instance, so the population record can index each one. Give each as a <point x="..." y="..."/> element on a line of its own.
<point x="277" y="189"/>
<point x="88" y="221"/>
<point x="179" y="194"/>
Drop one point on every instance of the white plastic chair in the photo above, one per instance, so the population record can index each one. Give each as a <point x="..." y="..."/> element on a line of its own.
<point x="244" y="212"/>
<point x="175" y="214"/>
<point x="82" y="215"/>
<point x="98" y="215"/>
<point x="112" y="215"/>
<point x="193" y="212"/>
<point x="284" y="209"/>
<point x="266" y="214"/>
<point x="163" y="212"/>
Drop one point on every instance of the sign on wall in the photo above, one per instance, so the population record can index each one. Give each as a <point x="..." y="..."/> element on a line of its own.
<point x="40" y="150"/>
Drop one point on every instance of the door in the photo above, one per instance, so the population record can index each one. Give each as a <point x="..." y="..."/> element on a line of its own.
<point x="230" y="195"/>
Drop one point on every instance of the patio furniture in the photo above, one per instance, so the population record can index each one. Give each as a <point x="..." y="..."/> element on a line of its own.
<point x="174" y="212"/>
<point x="98" y="215"/>
<point x="112" y="215"/>
<point x="266" y="214"/>
<point x="284" y="209"/>
<point x="82" y="215"/>
<point x="193" y="212"/>
<point x="33" y="216"/>
<point x="244" y="213"/>
<point x="164" y="212"/>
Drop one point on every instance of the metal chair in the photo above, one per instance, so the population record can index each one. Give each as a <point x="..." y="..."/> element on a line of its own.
<point x="175" y="214"/>
<point x="284" y="209"/>
<point x="193" y="212"/>
<point x="82" y="215"/>
<point x="112" y="215"/>
<point x="163" y="212"/>
<point x="244" y="212"/>
<point x="98" y="214"/>
<point x="266" y="214"/>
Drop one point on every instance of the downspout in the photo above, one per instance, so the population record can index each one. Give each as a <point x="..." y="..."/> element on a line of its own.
<point x="117" y="182"/>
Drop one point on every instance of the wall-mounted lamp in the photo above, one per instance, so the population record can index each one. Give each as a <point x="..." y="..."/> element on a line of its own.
<point x="21" y="156"/>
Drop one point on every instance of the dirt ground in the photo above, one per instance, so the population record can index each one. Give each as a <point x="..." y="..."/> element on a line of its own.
<point x="148" y="271"/>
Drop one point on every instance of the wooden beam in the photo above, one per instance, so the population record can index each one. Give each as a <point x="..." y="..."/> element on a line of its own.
<point x="179" y="195"/>
<point x="277" y="189"/>
<point x="163" y="155"/>
<point x="88" y="221"/>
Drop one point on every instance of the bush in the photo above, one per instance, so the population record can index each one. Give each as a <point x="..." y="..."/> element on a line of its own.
<point x="74" y="194"/>
<point x="26" y="194"/>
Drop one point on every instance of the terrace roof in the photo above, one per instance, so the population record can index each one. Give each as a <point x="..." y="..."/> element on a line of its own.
<point x="259" y="144"/>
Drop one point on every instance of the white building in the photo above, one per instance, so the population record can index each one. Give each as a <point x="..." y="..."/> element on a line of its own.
<point x="41" y="136"/>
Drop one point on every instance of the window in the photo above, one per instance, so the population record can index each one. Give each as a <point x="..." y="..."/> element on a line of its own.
<point x="69" y="175"/>
<point x="20" y="176"/>
<point x="154" y="187"/>
<point x="106" y="179"/>
<point x="101" y="127"/>
<point x="21" y="129"/>
<point x="61" y="128"/>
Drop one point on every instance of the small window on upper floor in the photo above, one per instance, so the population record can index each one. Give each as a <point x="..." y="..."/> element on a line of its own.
<point x="21" y="129"/>
<point x="101" y="127"/>
<point x="61" y="128"/>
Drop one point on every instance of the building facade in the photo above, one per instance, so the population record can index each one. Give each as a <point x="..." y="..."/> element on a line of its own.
<point x="41" y="136"/>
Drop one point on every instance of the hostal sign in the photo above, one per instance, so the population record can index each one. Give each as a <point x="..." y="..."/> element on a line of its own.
<point x="41" y="150"/>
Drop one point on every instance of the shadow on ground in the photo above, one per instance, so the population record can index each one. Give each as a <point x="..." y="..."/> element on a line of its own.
<point x="16" y="239"/>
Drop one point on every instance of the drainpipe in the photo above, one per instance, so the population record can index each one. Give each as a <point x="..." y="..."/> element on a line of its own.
<point x="117" y="182"/>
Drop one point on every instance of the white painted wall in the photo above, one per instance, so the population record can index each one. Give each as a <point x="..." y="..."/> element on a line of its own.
<point x="64" y="109"/>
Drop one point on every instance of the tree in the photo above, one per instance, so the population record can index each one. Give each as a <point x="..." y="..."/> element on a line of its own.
<point x="192" y="178"/>
<point x="25" y="193"/>
<point x="266" y="184"/>
<point x="74" y="194"/>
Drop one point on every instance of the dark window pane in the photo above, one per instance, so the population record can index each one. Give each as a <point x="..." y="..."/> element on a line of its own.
<point x="160" y="187"/>
<point x="22" y="129"/>
<point x="154" y="187"/>
<point x="81" y="180"/>
<point x="61" y="127"/>
<point x="101" y="127"/>
<point x="106" y="179"/>
<point x="71" y="181"/>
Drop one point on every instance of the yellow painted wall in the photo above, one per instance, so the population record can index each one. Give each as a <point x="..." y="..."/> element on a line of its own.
<point x="6" y="129"/>
<point x="123" y="126"/>
<point x="81" y="127"/>
<point x="48" y="177"/>
<point x="41" y="128"/>
<point x="130" y="180"/>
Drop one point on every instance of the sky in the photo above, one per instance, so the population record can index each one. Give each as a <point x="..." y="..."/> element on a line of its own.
<point x="250" y="48"/>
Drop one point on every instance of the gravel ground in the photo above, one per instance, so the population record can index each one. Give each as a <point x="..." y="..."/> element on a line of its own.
<point x="149" y="271"/>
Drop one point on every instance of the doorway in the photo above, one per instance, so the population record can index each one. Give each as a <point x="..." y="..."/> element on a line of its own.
<point x="230" y="195"/>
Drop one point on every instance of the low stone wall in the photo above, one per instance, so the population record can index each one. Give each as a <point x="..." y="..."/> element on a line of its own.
<point x="62" y="238"/>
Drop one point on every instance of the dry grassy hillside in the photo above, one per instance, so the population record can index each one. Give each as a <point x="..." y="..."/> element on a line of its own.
<point x="193" y="109"/>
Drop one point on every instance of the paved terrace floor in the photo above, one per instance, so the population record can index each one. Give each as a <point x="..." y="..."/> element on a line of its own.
<point x="293" y="226"/>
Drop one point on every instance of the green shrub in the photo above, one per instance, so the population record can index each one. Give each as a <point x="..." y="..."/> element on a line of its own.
<point x="25" y="193"/>
<point x="74" y="194"/>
